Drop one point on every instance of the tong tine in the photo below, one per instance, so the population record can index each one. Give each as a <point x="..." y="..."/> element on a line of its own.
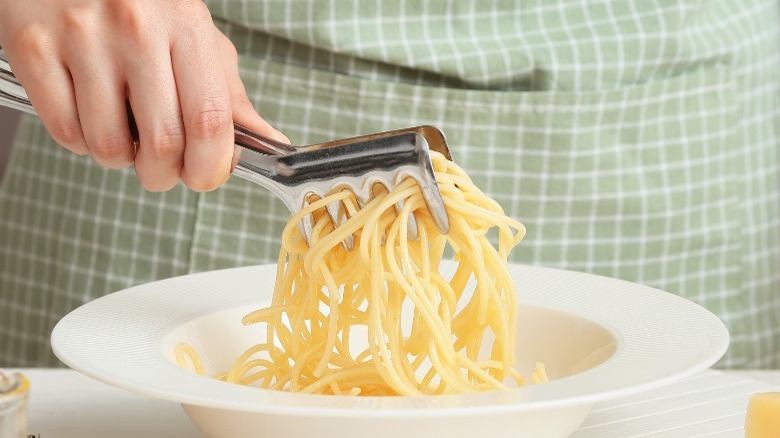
<point x="426" y="138"/>
<point x="248" y="139"/>
<point x="355" y="164"/>
<point x="417" y="141"/>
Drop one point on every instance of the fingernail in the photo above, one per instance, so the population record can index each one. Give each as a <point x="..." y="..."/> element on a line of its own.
<point x="276" y="135"/>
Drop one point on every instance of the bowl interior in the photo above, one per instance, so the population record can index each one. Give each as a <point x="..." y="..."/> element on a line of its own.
<point x="566" y="343"/>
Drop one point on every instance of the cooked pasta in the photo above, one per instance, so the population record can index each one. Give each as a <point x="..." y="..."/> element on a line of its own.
<point x="425" y="332"/>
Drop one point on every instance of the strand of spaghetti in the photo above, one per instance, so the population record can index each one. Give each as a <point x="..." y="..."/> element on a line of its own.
<point x="185" y="351"/>
<point x="504" y="323"/>
<point x="474" y="254"/>
<point x="379" y="351"/>
<point x="418" y="288"/>
<point x="393" y="323"/>
<point x="473" y="347"/>
<point x="252" y="378"/>
<point x="298" y="370"/>
<point x="283" y="283"/>
<point x="333" y="321"/>
<point x="428" y="379"/>
<point x="446" y="372"/>
<point x="494" y="364"/>
<point x="254" y="363"/>
<point x="234" y="373"/>
<point x="318" y="204"/>
<point x="539" y="374"/>
<point x="478" y="372"/>
<point x="365" y="354"/>
<point x="344" y="376"/>
<point x="378" y="206"/>
<point x="263" y="315"/>
<point x="306" y="305"/>
<point x="443" y="348"/>
<point x="422" y="305"/>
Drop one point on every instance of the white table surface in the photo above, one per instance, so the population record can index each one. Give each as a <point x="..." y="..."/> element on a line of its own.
<point x="66" y="404"/>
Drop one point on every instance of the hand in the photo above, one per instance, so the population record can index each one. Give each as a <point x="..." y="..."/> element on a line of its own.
<point x="83" y="61"/>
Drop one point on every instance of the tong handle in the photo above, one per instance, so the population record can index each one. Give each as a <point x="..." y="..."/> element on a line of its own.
<point x="252" y="140"/>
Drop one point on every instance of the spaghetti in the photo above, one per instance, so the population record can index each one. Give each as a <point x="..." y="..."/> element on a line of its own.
<point x="426" y="333"/>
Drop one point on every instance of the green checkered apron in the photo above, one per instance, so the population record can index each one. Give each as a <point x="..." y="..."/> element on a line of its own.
<point x="638" y="140"/>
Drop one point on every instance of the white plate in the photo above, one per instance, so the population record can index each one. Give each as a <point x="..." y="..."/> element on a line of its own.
<point x="599" y="338"/>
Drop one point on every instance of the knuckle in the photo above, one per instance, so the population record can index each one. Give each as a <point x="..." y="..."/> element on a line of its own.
<point x="133" y="20"/>
<point x="30" y="39"/>
<point x="211" y="121"/>
<point x="79" y="22"/>
<point x="113" y="150"/>
<point x="67" y="133"/>
<point x="195" y="11"/>
<point x="168" y="144"/>
<point x="129" y="14"/>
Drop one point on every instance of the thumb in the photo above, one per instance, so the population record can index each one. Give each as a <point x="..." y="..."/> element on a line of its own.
<point x="243" y="111"/>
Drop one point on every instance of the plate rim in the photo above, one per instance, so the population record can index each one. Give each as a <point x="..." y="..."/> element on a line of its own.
<point x="525" y="399"/>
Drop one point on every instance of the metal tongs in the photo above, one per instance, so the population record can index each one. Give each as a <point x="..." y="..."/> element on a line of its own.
<point x="295" y="173"/>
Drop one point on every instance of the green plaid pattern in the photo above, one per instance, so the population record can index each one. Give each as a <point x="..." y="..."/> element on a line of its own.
<point x="637" y="140"/>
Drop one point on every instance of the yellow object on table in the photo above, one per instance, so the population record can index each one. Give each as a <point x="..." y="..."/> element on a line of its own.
<point x="13" y="405"/>
<point x="763" y="416"/>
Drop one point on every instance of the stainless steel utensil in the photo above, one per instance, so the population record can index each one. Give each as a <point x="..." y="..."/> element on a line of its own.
<point x="294" y="173"/>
